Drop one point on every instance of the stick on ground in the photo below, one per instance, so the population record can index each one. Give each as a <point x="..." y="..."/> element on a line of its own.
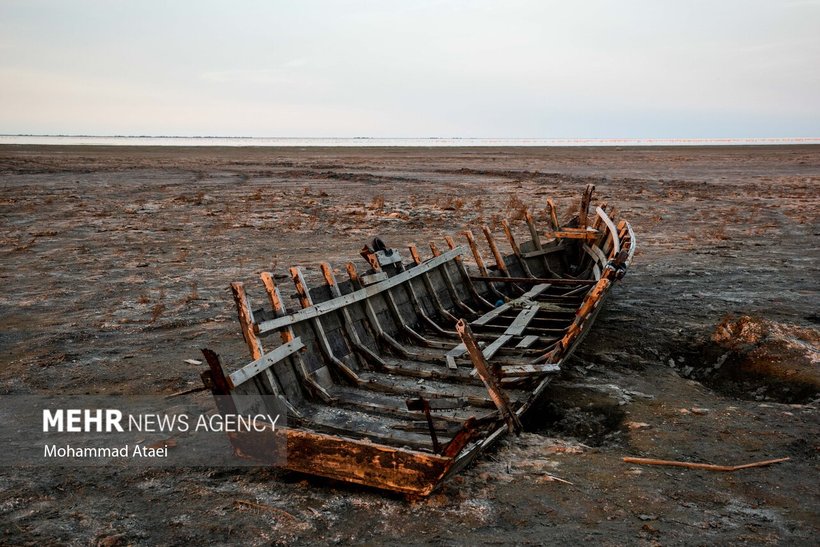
<point x="706" y="466"/>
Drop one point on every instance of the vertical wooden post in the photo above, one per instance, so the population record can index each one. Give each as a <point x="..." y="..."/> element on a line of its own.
<point x="414" y="252"/>
<point x="482" y="269"/>
<point x="536" y="239"/>
<point x="465" y="277"/>
<point x="553" y="214"/>
<point x="499" y="260"/>
<point x="515" y="248"/>
<point x="246" y="319"/>
<point x="585" y="201"/>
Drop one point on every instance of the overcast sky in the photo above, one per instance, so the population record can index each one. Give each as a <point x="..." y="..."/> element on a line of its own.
<point x="507" y="69"/>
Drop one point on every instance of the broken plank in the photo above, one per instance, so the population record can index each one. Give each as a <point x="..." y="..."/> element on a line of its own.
<point x="250" y="370"/>
<point x="527" y="341"/>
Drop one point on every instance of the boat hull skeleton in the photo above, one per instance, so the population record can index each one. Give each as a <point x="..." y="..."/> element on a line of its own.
<point x="399" y="376"/>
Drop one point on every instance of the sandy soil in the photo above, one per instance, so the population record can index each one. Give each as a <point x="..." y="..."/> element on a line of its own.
<point x="115" y="267"/>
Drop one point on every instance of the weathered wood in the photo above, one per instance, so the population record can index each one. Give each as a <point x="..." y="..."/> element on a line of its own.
<point x="303" y="292"/>
<point x="500" y="265"/>
<point x="553" y="212"/>
<point x="516" y="250"/>
<point x="585" y="201"/>
<point x="465" y="277"/>
<point x="482" y="269"/>
<point x="246" y="321"/>
<point x="266" y="361"/>
<point x="287" y="335"/>
<point x="361" y="462"/>
<point x="520" y="323"/>
<point x="613" y="231"/>
<point x="519" y="371"/>
<point x="448" y="283"/>
<point x="497" y="393"/>
<point x="350" y="328"/>
<point x="705" y="466"/>
<point x="357" y="296"/>
<point x="534" y="280"/>
<point x="587" y="234"/>
<point x="527" y="341"/>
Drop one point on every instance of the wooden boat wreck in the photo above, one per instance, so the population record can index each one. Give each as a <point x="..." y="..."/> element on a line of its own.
<point x="400" y="375"/>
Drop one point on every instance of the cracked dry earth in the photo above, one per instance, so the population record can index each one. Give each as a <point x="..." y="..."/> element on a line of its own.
<point x="115" y="267"/>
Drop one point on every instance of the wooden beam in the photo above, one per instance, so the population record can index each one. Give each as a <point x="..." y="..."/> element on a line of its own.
<point x="357" y="296"/>
<point x="499" y="260"/>
<point x="586" y="199"/>
<point x="553" y="212"/>
<point x="516" y="250"/>
<point x="534" y="280"/>
<point x="262" y="364"/>
<point x="246" y="321"/>
<point x="497" y="393"/>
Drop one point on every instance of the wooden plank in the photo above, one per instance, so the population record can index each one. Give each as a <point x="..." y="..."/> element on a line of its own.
<point x="246" y="321"/>
<point x="304" y="297"/>
<point x="533" y="280"/>
<point x="587" y="234"/>
<point x="465" y="277"/>
<point x="535" y="291"/>
<point x="528" y="370"/>
<point x="497" y="393"/>
<point x="482" y="269"/>
<point x="585" y="201"/>
<point x="287" y="334"/>
<point x="516" y="250"/>
<point x="497" y="344"/>
<point x="527" y="341"/>
<point x="499" y="259"/>
<point x="451" y="355"/>
<point x="250" y="370"/>
<point x="322" y="308"/>
<point x="448" y="283"/>
<point x="553" y="214"/>
<point x="492" y="314"/>
<point x="522" y="320"/>
<point x="360" y="462"/>
<point x="612" y="230"/>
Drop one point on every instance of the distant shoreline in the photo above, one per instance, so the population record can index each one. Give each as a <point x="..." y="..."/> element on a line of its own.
<point x="436" y="142"/>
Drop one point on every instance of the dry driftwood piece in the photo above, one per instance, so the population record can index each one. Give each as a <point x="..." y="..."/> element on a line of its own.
<point x="706" y="466"/>
<point x="400" y="376"/>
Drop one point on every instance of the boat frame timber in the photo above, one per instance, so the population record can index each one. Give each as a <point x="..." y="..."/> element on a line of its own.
<point x="399" y="377"/>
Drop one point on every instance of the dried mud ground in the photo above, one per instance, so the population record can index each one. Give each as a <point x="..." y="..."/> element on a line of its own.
<point x="115" y="264"/>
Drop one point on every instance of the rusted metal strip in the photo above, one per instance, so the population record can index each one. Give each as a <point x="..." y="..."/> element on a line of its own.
<point x="497" y="393"/>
